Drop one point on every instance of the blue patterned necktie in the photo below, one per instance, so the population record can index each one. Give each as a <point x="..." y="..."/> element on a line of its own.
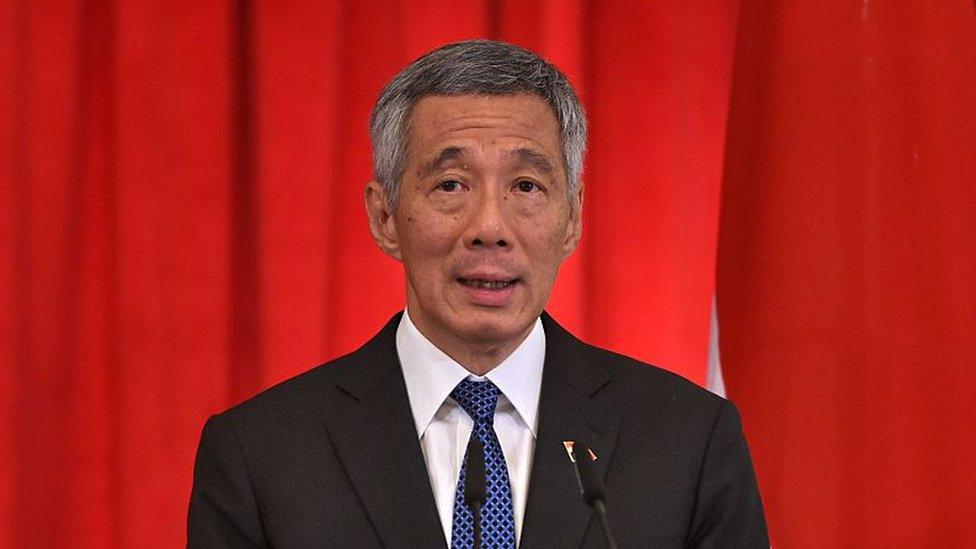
<point x="478" y="398"/>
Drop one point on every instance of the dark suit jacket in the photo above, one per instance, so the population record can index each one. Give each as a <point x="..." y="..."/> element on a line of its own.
<point x="331" y="459"/>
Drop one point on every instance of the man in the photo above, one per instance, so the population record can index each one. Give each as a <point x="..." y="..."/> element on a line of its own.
<point x="478" y="150"/>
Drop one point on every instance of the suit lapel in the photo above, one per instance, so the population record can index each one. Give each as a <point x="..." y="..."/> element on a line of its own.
<point x="377" y="443"/>
<point x="556" y="515"/>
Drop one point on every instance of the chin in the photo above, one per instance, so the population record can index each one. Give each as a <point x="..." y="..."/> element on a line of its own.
<point x="494" y="326"/>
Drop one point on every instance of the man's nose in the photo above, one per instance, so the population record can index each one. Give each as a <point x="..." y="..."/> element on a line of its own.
<point x="488" y="226"/>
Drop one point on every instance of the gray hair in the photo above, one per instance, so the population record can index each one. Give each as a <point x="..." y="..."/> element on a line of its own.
<point x="477" y="67"/>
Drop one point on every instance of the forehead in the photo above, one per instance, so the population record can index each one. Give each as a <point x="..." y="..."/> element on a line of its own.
<point x="519" y="121"/>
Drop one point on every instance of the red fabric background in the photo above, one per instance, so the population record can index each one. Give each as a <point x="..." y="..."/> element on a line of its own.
<point x="847" y="268"/>
<point x="181" y="225"/>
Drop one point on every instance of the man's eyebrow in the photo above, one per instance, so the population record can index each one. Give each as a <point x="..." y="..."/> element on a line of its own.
<point x="435" y="164"/>
<point x="535" y="159"/>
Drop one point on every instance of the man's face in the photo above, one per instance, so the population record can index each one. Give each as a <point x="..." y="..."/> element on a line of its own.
<point x="483" y="218"/>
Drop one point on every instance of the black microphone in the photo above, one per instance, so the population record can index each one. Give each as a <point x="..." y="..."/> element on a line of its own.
<point x="475" y="491"/>
<point x="593" y="490"/>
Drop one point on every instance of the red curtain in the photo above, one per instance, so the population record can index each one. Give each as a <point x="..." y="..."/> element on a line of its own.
<point x="181" y="218"/>
<point x="847" y="268"/>
<point x="181" y="225"/>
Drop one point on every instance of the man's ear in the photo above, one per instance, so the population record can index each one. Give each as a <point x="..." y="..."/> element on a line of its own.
<point x="381" y="223"/>
<point x="574" y="229"/>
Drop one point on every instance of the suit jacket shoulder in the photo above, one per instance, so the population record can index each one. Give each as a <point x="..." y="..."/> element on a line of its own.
<point x="329" y="458"/>
<point x="675" y="461"/>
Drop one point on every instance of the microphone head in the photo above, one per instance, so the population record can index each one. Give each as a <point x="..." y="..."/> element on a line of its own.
<point x="590" y="481"/>
<point x="475" y="491"/>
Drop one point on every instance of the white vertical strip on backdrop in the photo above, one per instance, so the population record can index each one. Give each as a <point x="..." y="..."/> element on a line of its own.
<point x="714" y="383"/>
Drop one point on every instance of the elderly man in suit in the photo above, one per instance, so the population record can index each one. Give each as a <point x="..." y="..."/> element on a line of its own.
<point x="478" y="150"/>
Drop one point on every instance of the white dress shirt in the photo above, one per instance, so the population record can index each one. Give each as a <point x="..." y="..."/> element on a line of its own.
<point x="444" y="427"/>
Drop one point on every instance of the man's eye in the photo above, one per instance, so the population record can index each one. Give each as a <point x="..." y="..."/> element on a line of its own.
<point x="449" y="186"/>
<point x="526" y="186"/>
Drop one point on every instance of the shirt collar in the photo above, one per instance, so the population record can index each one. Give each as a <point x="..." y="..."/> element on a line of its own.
<point x="431" y="375"/>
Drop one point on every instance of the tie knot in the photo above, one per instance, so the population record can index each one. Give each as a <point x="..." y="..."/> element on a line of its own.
<point x="478" y="398"/>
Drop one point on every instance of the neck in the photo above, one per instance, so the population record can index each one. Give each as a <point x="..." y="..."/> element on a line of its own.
<point x="476" y="356"/>
<point x="480" y="361"/>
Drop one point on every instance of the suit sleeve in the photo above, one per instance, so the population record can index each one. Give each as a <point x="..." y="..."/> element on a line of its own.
<point x="223" y="510"/>
<point x="728" y="510"/>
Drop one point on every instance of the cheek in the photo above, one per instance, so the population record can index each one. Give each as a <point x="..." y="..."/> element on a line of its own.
<point x="439" y="235"/>
<point x="551" y="233"/>
<point x="426" y="237"/>
<point x="545" y="254"/>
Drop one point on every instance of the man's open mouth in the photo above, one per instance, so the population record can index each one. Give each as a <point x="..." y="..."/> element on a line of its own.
<point x="487" y="284"/>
